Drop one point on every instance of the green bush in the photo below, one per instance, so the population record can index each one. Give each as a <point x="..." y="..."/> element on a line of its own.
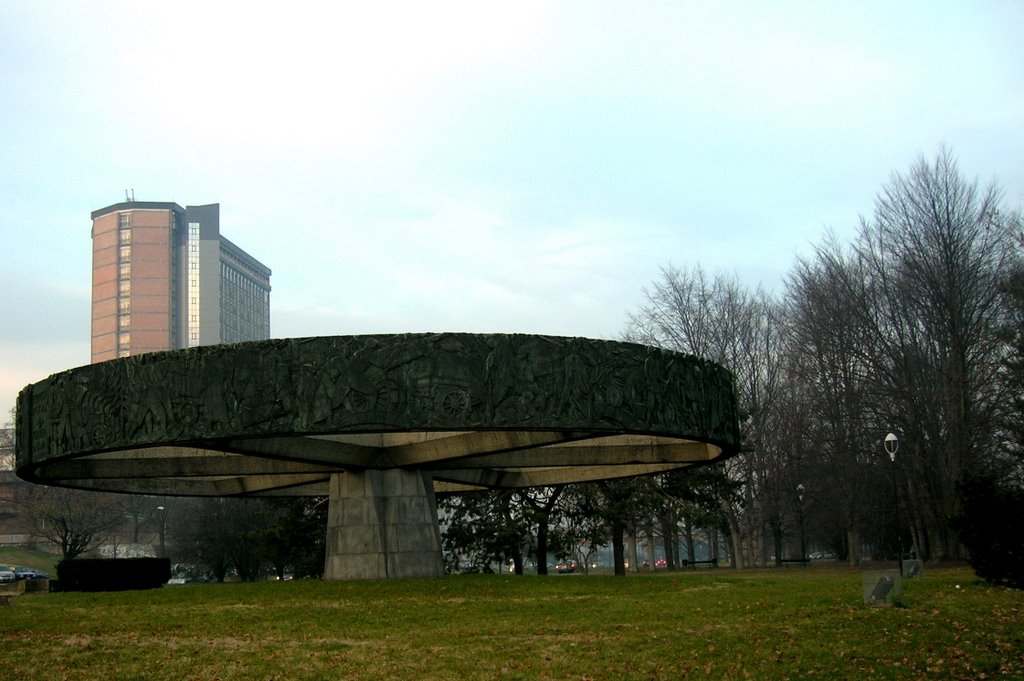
<point x="991" y="530"/>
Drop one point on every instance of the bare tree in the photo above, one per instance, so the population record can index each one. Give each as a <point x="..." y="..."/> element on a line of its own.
<point x="827" y="339"/>
<point x="6" y="449"/>
<point x="719" y="319"/>
<point x="226" y="533"/>
<point x="74" y="520"/>
<point x="933" y="259"/>
<point x="7" y="461"/>
<point x="1005" y="461"/>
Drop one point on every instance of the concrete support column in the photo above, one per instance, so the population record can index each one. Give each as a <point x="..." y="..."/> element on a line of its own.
<point x="382" y="524"/>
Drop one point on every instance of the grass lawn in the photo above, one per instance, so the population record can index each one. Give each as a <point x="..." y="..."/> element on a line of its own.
<point x="716" y="624"/>
<point x="47" y="562"/>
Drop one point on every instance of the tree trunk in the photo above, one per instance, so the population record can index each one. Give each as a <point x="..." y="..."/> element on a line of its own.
<point x="669" y="534"/>
<point x="853" y="545"/>
<point x="649" y="533"/>
<point x="618" y="548"/>
<point x="776" y="529"/>
<point x="735" y="546"/>
<point x="542" y="546"/>
<point x="735" y="537"/>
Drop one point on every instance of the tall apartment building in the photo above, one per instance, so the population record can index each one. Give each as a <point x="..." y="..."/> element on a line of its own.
<point x="164" y="278"/>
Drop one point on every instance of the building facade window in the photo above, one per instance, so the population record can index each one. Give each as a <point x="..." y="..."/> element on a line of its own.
<point x="194" y="289"/>
<point x="124" y="234"/>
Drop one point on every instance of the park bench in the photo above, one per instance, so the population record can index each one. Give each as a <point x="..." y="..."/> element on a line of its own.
<point x="692" y="564"/>
<point x="786" y="562"/>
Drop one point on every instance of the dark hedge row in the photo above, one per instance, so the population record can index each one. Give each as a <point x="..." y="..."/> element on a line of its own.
<point x="112" y="574"/>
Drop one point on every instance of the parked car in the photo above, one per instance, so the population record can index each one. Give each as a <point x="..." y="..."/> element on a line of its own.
<point x="6" y="574"/>
<point x="22" y="572"/>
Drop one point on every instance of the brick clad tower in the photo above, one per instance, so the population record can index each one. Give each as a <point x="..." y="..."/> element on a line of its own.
<point x="164" y="278"/>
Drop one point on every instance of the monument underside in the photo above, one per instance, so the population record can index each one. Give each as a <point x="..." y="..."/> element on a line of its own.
<point x="296" y="417"/>
<point x="302" y="466"/>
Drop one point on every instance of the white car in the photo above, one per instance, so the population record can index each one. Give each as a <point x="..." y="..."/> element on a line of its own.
<point x="6" y="574"/>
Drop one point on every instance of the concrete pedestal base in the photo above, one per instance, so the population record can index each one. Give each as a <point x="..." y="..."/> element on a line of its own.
<point x="382" y="524"/>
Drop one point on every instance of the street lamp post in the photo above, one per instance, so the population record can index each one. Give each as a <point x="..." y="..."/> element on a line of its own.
<point x="163" y="530"/>
<point x="800" y="517"/>
<point x="892" y="443"/>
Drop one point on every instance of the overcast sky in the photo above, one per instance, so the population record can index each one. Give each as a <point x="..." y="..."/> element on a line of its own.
<point x="527" y="167"/>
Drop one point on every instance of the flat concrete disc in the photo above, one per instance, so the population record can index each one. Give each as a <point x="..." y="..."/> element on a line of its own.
<point x="280" y="417"/>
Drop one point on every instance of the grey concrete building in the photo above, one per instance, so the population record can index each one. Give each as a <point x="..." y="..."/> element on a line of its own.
<point x="164" y="278"/>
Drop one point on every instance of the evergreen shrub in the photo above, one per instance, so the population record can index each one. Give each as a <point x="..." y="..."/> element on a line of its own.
<point x="991" y="530"/>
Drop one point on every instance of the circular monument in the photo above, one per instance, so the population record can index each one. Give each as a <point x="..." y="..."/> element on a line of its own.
<point x="378" y="423"/>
